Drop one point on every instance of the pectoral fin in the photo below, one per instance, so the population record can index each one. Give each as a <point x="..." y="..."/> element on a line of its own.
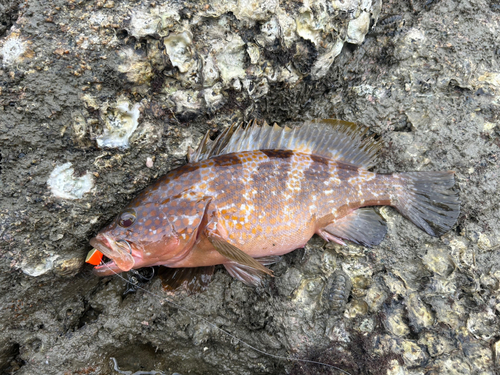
<point x="245" y="274"/>
<point x="236" y="255"/>
<point x="248" y="275"/>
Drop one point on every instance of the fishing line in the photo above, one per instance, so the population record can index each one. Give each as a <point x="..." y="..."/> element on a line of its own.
<point x="192" y="313"/>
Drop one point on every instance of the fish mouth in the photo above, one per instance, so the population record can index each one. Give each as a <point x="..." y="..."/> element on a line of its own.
<point x="119" y="252"/>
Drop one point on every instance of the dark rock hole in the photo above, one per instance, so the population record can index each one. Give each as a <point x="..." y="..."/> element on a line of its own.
<point x="89" y="315"/>
<point x="9" y="359"/>
<point x="9" y="12"/>
<point x="137" y="357"/>
<point x="121" y="34"/>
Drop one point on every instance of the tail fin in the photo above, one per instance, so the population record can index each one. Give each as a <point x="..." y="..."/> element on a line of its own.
<point x="428" y="201"/>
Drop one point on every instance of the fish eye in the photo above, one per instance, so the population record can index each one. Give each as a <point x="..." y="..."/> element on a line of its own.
<point x="127" y="218"/>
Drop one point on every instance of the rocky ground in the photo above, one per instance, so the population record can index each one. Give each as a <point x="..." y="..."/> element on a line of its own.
<point x="99" y="98"/>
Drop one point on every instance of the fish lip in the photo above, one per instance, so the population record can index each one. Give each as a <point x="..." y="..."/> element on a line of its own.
<point x="108" y="268"/>
<point x="120" y="261"/>
<point x="102" y="245"/>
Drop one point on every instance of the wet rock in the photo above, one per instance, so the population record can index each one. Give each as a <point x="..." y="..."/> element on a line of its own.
<point x="439" y="262"/>
<point x="424" y="79"/>
<point x="483" y="325"/>
<point x="356" y="308"/>
<point x="452" y="365"/>
<point x="419" y="313"/>
<point x="394" y="321"/>
<point x="395" y="285"/>
<point x="375" y="297"/>
<point x="412" y="354"/>
<point x="436" y="344"/>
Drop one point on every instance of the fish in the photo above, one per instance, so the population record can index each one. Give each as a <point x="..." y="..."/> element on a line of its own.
<point x="258" y="192"/>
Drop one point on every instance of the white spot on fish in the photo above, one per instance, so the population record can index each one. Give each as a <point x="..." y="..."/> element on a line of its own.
<point x="332" y="181"/>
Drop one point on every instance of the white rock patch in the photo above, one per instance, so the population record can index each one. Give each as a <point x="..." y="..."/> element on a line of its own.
<point x="63" y="183"/>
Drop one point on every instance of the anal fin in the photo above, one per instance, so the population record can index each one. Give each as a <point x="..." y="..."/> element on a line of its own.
<point x="363" y="226"/>
<point x="194" y="280"/>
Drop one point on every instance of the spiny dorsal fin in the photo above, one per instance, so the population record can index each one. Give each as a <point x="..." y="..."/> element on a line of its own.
<point x="333" y="139"/>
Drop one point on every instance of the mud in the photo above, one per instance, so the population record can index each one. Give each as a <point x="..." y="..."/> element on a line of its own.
<point x="426" y="79"/>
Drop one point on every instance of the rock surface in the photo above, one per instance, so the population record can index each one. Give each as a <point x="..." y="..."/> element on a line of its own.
<point x="105" y="96"/>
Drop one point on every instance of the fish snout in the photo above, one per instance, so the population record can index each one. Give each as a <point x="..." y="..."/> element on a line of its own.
<point x="118" y="251"/>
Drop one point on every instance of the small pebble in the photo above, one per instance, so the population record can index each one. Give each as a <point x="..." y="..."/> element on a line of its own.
<point x="149" y="162"/>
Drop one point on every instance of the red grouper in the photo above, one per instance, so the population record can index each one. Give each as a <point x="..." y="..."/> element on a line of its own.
<point x="258" y="192"/>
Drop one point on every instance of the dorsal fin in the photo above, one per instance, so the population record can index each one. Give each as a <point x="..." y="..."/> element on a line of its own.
<point x="333" y="139"/>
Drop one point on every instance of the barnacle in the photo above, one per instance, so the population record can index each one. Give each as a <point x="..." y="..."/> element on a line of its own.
<point x="14" y="49"/>
<point x="120" y="121"/>
<point x="239" y="45"/>
<point x="64" y="184"/>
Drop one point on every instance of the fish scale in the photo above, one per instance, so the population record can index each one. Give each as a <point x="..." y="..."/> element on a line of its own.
<point x="258" y="192"/>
